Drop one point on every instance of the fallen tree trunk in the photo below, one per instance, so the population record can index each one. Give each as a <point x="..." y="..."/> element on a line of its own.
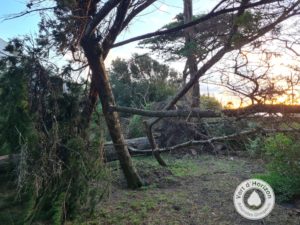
<point x="169" y="113"/>
<point x="248" y="110"/>
<point x="132" y="144"/>
<point x="9" y="162"/>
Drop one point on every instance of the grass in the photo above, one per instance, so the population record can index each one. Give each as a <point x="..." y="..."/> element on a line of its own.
<point x="191" y="190"/>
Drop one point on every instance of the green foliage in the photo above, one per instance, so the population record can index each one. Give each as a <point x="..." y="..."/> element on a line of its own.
<point x="14" y="110"/>
<point x="245" y="19"/>
<point x="136" y="127"/>
<point x="285" y="187"/>
<point x="283" y="173"/>
<point x="209" y="103"/>
<point x="255" y="146"/>
<point x="57" y="209"/>
<point x="141" y="80"/>
<point x="188" y="49"/>
<point x="248" y="24"/>
<point x="58" y="157"/>
<point x="173" y="47"/>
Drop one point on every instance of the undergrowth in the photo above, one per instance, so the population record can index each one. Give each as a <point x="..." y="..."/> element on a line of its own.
<point x="283" y="169"/>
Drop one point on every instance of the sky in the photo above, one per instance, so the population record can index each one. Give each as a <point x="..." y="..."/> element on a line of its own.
<point x="160" y="13"/>
<point x="152" y="19"/>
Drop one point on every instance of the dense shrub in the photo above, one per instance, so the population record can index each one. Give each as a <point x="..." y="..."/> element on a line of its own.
<point x="283" y="173"/>
<point x="135" y="127"/>
<point x="209" y="103"/>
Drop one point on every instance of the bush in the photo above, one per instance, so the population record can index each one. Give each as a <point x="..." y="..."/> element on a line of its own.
<point x="284" y="166"/>
<point x="136" y="127"/>
<point x="209" y="103"/>
<point x="254" y="146"/>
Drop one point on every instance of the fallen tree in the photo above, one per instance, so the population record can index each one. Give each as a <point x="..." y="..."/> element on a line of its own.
<point x="248" y="110"/>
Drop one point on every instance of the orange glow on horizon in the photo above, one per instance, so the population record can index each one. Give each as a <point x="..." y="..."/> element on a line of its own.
<point x="234" y="102"/>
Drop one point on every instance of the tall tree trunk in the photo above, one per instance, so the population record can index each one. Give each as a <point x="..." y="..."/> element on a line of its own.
<point x="103" y="89"/>
<point x="191" y="57"/>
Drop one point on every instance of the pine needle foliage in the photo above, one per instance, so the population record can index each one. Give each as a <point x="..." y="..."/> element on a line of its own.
<point x="60" y="170"/>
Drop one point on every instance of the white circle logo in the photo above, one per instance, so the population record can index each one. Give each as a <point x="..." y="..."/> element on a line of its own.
<point x="254" y="199"/>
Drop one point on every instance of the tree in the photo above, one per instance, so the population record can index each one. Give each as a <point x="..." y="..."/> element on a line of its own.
<point x="54" y="161"/>
<point x="141" y="80"/>
<point x="83" y="23"/>
<point x="191" y="56"/>
<point x="14" y="110"/>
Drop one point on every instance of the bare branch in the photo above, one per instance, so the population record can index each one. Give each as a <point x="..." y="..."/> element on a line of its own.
<point x="17" y="15"/>
<point x="214" y="139"/>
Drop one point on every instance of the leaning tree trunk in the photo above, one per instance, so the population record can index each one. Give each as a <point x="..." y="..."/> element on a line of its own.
<point x="191" y="57"/>
<point x="102" y="87"/>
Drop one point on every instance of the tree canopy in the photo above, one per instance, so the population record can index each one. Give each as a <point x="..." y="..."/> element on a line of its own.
<point x="141" y="80"/>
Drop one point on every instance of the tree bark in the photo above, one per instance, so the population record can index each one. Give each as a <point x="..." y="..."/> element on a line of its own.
<point x="239" y="112"/>
<point x="170" y="113"/>
<point x="153" y="144"/>
<point x="191" y="57"/>
<point x="94" y="55"/>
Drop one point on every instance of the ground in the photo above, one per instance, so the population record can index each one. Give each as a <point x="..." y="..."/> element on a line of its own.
<point x="191" y="190"/>
<point x="197" y="190"/>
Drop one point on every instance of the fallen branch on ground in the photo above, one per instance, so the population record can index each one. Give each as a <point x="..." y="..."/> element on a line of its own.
<point x="214" y="139"/>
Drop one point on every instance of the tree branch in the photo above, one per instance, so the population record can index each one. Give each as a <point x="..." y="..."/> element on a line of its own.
<point x="169" y="113"/>
<point x="116" y="27"/>
<point x="211" y="140"/>
<point x="194" y="22"/>
<point x="14" y="16"/>
<point x="136" y="11"/>
<point x="103" y="12"/>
